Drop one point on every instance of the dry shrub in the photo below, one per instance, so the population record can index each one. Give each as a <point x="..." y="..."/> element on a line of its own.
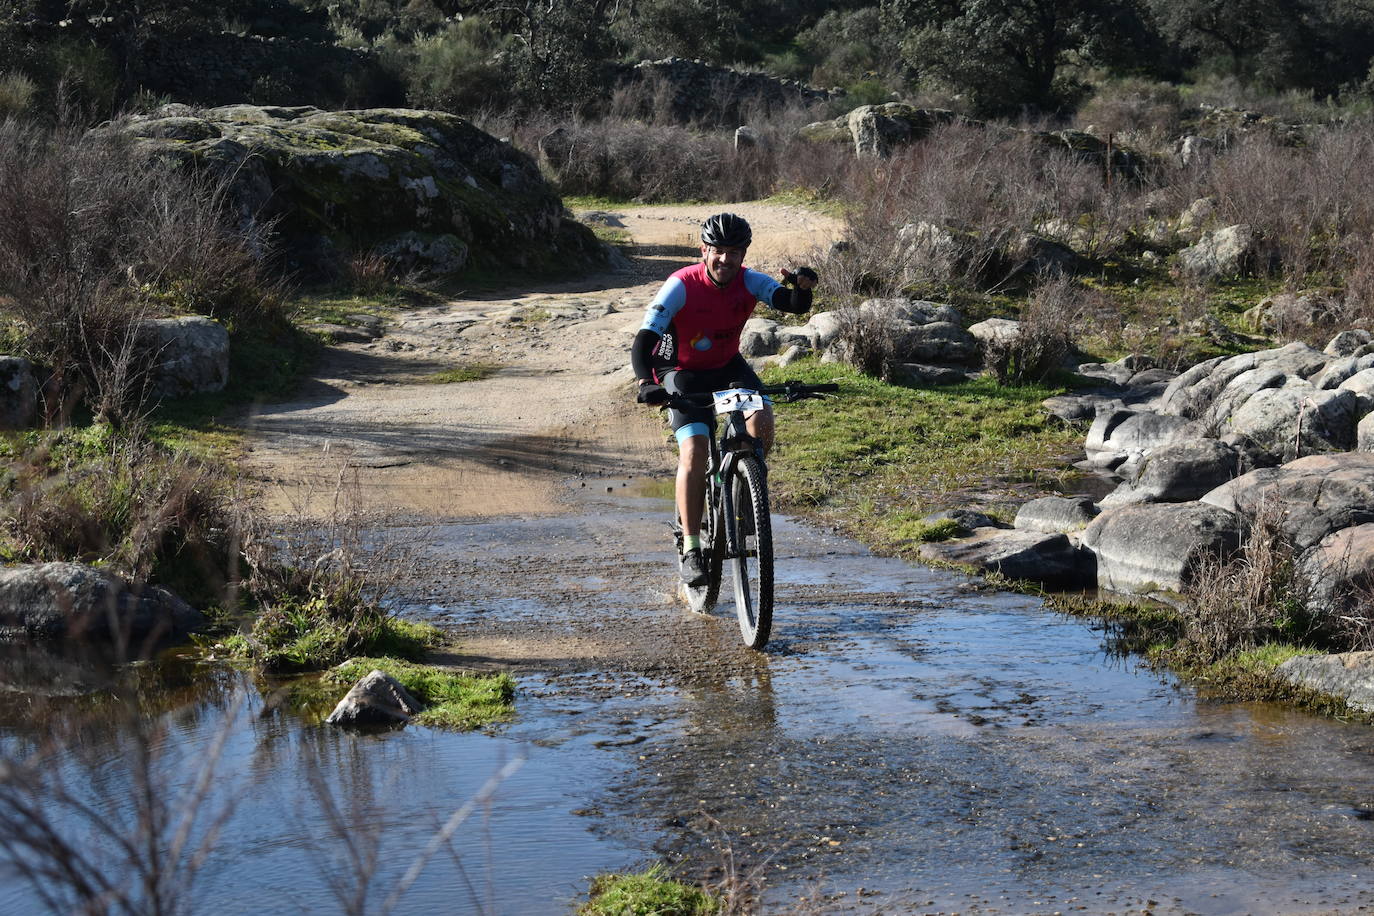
<point x="954" y="208"/>
<point x="868" y="340"/>
<point x="1136" y="111"/>
<point x="119" y="501"/>
<point x="1045" y="338"/>
<point x="1313" y="205"/>
<point x="369" y="272"/>
<point x="94" y="239"/>
<point x="1240" y="602"/>
<point x="17" y="93"/>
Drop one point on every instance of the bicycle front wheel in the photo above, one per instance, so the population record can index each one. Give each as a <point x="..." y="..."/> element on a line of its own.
<point x="752" y="566"/>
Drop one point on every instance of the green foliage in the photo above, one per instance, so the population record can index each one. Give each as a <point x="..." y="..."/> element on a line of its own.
<point x="452" y="700"/>
<point x="313" y="632"/>
<point x="460" y="69"/>
<point x="880" y="455"/>
<point x="1008" y="54"/>
<point x="648" y="893"/>
<point x="853" y="49"/>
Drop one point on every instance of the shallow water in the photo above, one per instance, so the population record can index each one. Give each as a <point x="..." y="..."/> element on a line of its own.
<point x="908" y="743"/>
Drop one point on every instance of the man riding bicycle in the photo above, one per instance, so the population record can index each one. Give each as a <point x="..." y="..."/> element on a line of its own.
<point x="689" y="344"/>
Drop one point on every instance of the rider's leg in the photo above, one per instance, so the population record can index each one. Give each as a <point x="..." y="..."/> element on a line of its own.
<point x="691" y="481"/>
<point x="760" y="426"/>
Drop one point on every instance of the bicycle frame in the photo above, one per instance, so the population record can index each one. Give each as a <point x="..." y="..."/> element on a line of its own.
<point x="734" y="440"/>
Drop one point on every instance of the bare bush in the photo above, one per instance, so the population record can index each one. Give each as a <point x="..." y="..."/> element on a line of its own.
<point x="868" y="340"/>
<point x="1045" y="337"/>
<point x="116" y="500"/>
<point x="1240" y="602"/>
<point x="1136" y="111"/>
<point x="95" y="238"/>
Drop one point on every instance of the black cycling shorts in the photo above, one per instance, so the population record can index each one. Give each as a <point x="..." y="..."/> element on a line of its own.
<point x="737" y="373"/>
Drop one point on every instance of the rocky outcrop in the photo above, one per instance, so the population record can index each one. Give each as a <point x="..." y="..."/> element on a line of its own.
<point x="377" y="700"/>
<point x="1349" y="675"/>
<point x="1157" y="547"/>
<point x="1228" y="252"/>
<point x="1032" y="555"/>
<point x="187" y="355"/>
<point x="1311" y="497"/>
<point x="427" y="188"/>
<point x="81" y="602"/>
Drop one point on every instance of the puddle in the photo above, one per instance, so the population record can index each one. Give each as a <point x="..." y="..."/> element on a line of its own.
<point x="906" y="744"/>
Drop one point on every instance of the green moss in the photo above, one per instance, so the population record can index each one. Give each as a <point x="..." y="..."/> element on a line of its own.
<point x="648" y="893"/>
<point x="296" y="634"/>
<point x="473" y="372"/>
<point x="452" y="700"/>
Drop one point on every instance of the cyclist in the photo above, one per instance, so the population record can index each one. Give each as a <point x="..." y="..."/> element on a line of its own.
<point x="689" y="344"/>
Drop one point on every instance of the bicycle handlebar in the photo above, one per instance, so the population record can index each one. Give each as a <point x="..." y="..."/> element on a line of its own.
<point x="785" y="393"/>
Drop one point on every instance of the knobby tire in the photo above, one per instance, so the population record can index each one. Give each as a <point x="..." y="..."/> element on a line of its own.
<point x="753" y="567"/>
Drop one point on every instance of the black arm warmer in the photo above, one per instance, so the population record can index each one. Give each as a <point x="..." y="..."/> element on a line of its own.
<point x="641" y="351"/>
<point x="791" y="299"/>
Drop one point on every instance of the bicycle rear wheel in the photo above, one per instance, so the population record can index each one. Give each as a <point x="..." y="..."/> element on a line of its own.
<point x="702" y="598"/>
<point x="752" y="568"/>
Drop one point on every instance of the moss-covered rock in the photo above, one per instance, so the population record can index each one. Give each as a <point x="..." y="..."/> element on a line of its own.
<point x="388" y="180"/>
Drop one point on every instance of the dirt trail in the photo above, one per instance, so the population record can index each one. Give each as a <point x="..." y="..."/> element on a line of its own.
<point x="557" y="407"/>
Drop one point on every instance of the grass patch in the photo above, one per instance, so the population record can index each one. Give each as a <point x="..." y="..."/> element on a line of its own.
<point x="452" y="700"/>
<point x="880" y="456"/>
<point x="648" y="893"/>
<point x="312" y="634"/>
<point x="471" y="372"/>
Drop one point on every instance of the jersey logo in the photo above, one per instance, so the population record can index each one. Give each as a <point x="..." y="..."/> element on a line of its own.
<point x="701" y="343"/>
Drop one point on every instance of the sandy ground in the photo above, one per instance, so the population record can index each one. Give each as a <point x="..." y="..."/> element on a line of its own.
<point x="560" y="406"/>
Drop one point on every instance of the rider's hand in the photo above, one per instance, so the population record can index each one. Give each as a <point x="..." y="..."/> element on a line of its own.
<point x="804" y="278"/>
<point x="652" y="394"/>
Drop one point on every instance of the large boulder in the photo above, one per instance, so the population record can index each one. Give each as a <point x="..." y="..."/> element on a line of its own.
<point x="1348" y="675"/>
<point x="1178" y="472"/>
<point x="1118" y="435"/>
<point x="1192" y="392"/>
<point x="81" y="602"/>
<point x="187" y="355"/>
<point x="1056" y="514"/>
<point x="18" y="392"/>
<point x="1339" y="571"/>
<point x="1228" y="252"/>
<point x="1158" y="546"/>
<point x="426" y="186"/>
<point x="378" y="699"/>
<point x="1310" y="497"/>
<point x="1297" y="420"/>
<point x="1032" y="555"/>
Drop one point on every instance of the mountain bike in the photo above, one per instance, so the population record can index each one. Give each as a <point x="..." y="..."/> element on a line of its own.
<point x="736" y="528"/>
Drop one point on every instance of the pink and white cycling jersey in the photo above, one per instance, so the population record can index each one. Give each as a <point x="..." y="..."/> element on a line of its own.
<point x="701" y="323"/>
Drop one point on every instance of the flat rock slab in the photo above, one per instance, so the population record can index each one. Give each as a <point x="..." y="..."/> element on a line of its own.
<point x="1037" y="556"/>
<point x="1348" y="675"/>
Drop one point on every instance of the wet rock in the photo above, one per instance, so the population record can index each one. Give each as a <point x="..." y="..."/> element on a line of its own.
<point x="968" y="520"/>
<point x="1032" y="555"/>
<point x="377" y="699"/>
<point x="18" y="393"/>
<point x="1178" y="472"/>
<point x="76" y="601"/>
<point x="1311" y="497"/>
<point x="1348" y="675"/>
<point x="1156" y="547"/>
<point x="1056" y="514"/>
